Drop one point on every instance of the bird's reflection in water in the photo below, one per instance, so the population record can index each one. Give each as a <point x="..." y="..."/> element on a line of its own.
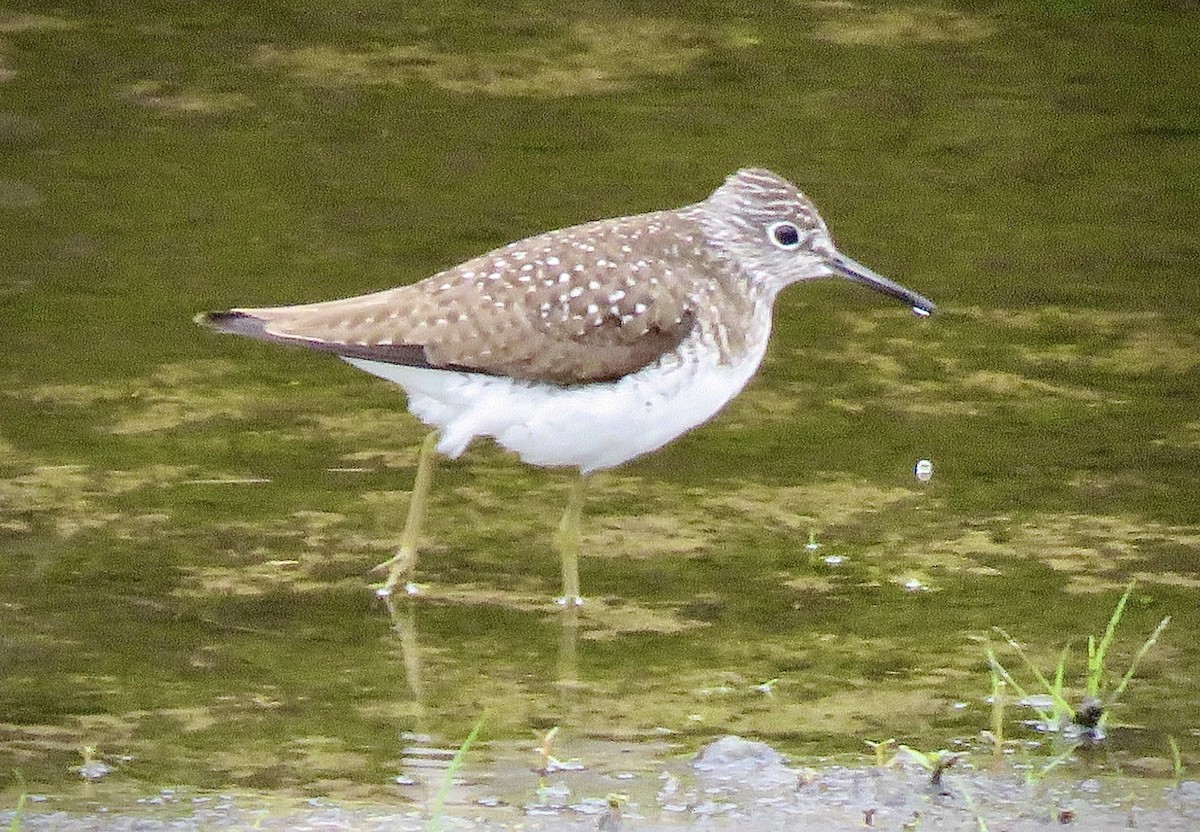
<point x="423" y="758"/>
<point x="403" y="615"/>
<point x="404" y="625"/>
<point x="423" y="762"/>
<point x="568" y="655"/>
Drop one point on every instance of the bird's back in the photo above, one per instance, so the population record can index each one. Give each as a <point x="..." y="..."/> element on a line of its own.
<point x="579" y="305"/>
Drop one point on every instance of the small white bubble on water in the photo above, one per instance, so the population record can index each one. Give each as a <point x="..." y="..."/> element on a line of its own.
<point x="923" y="470"/>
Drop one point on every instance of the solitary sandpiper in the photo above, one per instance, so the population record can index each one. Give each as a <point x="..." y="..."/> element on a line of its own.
<point x="583" y="347"/>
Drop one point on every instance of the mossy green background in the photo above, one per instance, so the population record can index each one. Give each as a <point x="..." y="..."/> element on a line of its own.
<point x="187" y="522"/>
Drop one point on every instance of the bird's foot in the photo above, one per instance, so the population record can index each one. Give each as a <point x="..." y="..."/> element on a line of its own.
<point x="410" y="589"/>
<point x="400" y="564"/>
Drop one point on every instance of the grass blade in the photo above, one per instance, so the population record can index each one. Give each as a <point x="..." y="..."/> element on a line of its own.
<point x="1060" y="704"/>
<point x="435" y="813"/>
<point x="1060" y="671"/>
<point x="1176" y="758"/>
<point x="1096" y="668"/>
<point x="15" y="824"/>
<point x="1137" y="659"/>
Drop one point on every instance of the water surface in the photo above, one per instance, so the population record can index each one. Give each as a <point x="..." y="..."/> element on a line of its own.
<point x="187" y="523"/>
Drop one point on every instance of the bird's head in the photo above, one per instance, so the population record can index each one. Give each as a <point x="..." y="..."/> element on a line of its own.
<point x="774" y="233"/>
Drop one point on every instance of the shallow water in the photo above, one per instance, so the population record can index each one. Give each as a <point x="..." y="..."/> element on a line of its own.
<point x="750" y="793"/>
<point x="187" y="523"/>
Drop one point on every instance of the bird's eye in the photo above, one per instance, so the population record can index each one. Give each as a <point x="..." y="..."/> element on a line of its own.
<point x="784" y="235"/>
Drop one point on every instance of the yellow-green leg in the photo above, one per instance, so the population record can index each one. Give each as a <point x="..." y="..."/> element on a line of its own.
<point x="404" y="562"/>
<point x="569" y="531"/>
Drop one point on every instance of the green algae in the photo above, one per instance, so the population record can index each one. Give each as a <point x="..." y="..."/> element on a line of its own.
<point x="188" y="524"/>
<point x="598" y="56"/>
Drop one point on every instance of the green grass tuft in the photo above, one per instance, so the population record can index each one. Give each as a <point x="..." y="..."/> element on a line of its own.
<point x="1062" y="715"/>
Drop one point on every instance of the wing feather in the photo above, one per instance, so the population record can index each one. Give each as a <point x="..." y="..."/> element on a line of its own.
<point x="584" y="304"/>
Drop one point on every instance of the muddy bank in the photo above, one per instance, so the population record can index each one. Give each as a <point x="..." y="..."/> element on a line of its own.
<point x="731" y="784"/>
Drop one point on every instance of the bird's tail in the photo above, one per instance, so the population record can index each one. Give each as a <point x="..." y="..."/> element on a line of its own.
<point x="234" y="322"/>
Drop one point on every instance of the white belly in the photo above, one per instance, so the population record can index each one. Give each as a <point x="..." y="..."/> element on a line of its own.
<point x="586" y="426"/>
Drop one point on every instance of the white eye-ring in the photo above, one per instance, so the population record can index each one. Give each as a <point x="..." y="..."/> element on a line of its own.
<point x="784" y="235"/>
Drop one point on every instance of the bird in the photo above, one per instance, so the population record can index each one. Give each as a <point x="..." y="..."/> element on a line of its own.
<point x="582" y="347"/>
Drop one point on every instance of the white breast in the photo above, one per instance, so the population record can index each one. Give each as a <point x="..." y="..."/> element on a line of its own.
<point x="586" y="426"/>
